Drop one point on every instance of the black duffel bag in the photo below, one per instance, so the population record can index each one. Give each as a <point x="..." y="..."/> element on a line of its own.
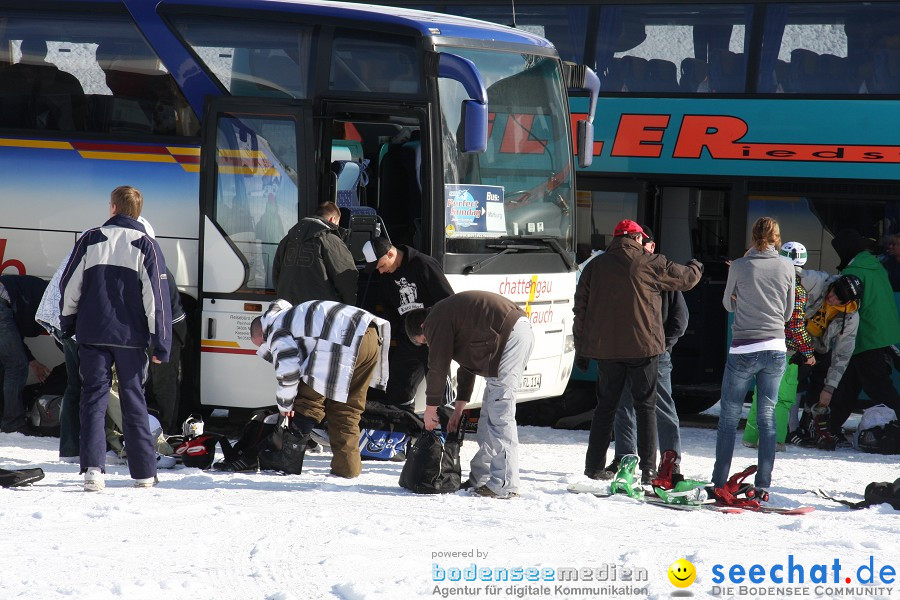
<point x="432" y="465"/>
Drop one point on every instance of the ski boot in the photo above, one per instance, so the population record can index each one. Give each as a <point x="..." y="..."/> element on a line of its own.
<point x="737" y="492"/>
<point x="686" y="491"/>
<point x="626" y="480"/>
<point x="668" y="475"/>
<point x="815" y="426"/>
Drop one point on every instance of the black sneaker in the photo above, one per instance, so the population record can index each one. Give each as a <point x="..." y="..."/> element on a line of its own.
<point x="465" y="485"/>
<point x="599" y="474"/>
<point x="241" y="464"/>
<point x="647" y="476"/>
<point x="614" y="465"/>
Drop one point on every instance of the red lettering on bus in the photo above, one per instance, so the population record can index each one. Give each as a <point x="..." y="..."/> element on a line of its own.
<point x="518" y="137"/>
<point x="12" y="262"/>
<point x="719" y="134"/>
<point x="640" y="135"/>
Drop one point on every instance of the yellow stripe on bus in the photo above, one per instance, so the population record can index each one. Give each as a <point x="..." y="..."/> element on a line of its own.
<point x="219" y="343"/>
<point x="36" y="144"/>
<point x="241" y="153"/>
<point x="179" y="151"/>
<point x="534" y="279"/>
<point x="190" y="168"/>
<point x="261" y="172"/>
<point x="160" y="158"/>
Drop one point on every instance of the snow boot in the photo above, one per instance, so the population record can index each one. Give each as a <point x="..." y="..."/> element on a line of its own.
<point x="626" y="481"/>
<point x="815" y="425"/>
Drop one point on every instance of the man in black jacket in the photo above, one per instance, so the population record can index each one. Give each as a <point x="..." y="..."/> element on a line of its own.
<point x="675" y="321"/>
<point x="313" y="262"/>
<point x="20" y="296"/>
<point x="409" y="280"/>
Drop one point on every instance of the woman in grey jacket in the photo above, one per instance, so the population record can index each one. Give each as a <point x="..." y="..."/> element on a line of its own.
<point x="760" y="293"/>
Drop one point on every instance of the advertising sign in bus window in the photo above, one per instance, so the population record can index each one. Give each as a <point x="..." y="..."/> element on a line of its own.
<point x="474" y="211"/>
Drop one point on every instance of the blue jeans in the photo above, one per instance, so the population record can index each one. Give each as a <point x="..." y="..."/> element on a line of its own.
<point x="69" y="421"/>
<point x="766" y="367"/>
<point x="667" y="425"/>
<point x="13" y="370"/>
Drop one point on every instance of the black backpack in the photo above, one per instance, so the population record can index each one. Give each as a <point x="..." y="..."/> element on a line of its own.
<point x="432" y="465"/>
<point x="884" y="439"/>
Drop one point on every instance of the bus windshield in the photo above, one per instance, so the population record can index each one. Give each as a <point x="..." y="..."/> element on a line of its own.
<point x="527" y="164"/>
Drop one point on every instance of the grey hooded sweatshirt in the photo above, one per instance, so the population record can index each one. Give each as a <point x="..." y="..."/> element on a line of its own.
<point x="760" y="293"/>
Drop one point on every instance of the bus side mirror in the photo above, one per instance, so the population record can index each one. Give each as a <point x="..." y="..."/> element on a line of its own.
<point x="474" y="127"/>
<point x="585" y="143"/>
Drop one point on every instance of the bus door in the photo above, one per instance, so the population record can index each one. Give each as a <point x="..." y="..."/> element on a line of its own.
<point x="697" y="222"/>
<point x="258" y="174"/>
<point x="392" y="196"/>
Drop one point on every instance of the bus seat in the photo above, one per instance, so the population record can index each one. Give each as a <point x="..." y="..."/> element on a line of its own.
<point x="346" y="150"/>
<point x="58" y="98"/>
<point x="400" y="189"/>
<point x="835" y="76"/>
<point x="804" y="71"/>
<point x="614" y="77"/>
<point x="886" y="75"/>
<point x="664" y="74"/>
<point x="349" y="179"/>
<point x="15" y="99"/>
<point x="782" y="74"/>
<point x="693" y="73"/>
<point x="726" y="72"/>
<point x="637" y="74"/>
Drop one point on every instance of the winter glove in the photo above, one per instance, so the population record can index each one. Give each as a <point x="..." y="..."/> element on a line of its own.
<point x="582" y="363"/>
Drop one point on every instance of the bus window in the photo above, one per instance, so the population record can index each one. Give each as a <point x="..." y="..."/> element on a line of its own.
<point x="256" y="189"/>
<point x="673" y="48"/>
<point x="250" y="58"/>
<point x="365" y="63"/>
<point x="831" y="49"/>
<point x="89" y="73"/>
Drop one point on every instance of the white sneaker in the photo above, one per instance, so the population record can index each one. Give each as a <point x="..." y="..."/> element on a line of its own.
<point x="93" y="480"/>
<point x="164" y="462"/>
<point x="147" y="482"/>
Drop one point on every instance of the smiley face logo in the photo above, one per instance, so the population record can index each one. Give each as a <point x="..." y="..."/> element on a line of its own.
<point x="682" y="573"/>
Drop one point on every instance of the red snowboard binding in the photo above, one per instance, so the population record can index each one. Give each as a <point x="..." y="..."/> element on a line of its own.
<point x="736" y="492"/>
<point x="668" y="474"/>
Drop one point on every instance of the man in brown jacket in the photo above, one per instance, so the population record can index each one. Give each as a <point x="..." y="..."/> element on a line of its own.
<point x="487" y="335"/>
<point x="618" y="322"/>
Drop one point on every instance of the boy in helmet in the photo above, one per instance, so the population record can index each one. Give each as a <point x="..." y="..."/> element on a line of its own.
<point x="799" y="351"/>
<point x="833" y="323"/>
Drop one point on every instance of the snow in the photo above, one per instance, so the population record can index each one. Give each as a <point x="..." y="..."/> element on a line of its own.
<point x="221" y="536"/>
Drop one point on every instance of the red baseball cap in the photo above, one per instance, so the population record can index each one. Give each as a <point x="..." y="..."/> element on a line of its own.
<point x="625" y="227"/>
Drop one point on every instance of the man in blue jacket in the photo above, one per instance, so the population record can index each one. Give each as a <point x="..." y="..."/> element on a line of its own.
<point x="114" y="296"/>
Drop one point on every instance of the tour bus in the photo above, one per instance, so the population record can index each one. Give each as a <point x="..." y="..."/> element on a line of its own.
<point x="235" y="119"/>
<point x="712" y="114"/>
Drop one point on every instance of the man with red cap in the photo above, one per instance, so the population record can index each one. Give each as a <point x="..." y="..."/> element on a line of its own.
<point x="618" y="322"/>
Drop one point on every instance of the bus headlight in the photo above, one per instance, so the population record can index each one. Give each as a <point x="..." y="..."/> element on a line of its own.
<point x="570" y="344"/>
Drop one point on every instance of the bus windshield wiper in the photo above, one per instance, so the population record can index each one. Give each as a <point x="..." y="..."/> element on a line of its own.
<point x="552" y="242"/>
<point x="504" y="249"/>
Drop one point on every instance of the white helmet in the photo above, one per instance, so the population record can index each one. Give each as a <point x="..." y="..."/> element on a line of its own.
<point x="796" y="252"/>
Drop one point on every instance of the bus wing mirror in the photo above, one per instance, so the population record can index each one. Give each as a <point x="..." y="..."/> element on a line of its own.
<point x="582" y="77"/>
<point x="585" y="143"/>
<point x="474" y="110"/>
<point x="474" y="127"/>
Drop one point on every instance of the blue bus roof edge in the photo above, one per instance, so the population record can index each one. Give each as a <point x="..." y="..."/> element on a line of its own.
<point x="424" y="22"/>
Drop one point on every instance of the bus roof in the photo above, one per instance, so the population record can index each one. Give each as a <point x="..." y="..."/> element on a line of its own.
<point x="429" y="24"/>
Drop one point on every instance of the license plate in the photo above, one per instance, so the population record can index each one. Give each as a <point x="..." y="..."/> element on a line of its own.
<point x="530" y="383"/>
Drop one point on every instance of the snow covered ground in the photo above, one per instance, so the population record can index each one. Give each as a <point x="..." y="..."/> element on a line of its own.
<point x="208" y="535"/>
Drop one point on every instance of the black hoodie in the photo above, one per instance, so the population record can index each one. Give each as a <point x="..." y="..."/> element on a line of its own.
<point x="313" y="263"/>
<point x="419" y="282"/>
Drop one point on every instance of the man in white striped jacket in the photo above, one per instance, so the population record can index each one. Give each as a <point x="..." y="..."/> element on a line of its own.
<point x="326" y="356"/>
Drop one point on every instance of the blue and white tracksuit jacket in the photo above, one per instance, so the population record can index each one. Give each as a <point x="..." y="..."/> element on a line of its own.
<point x="318" y="342"/>
<point x="114" y="290"/>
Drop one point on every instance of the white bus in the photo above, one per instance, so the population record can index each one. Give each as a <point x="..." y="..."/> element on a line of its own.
<point x="229" y="118"/>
